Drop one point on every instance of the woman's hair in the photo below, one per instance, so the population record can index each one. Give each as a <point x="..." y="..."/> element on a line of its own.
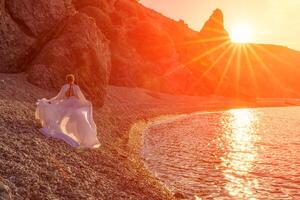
<point x="70" y="78"/>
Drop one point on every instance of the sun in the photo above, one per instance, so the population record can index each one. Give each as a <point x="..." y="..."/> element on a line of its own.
<point x="241" y="34"/>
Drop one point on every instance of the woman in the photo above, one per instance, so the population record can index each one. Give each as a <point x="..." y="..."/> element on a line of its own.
<point x="68" y="116"/>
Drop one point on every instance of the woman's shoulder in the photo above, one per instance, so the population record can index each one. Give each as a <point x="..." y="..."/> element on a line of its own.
<point x="65" y="86"/>
<point x="68" y="85"/>
<point x="75" y="86"/>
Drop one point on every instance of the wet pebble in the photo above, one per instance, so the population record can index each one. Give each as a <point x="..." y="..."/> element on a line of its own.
<point x="4" y="192"/>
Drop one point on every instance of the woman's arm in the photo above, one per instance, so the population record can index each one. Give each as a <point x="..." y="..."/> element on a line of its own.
<point x="60" y="95"/>
<point x="81" y="96"/>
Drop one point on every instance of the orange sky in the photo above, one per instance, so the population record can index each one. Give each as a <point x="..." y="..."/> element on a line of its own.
<point x="271" y="21"/>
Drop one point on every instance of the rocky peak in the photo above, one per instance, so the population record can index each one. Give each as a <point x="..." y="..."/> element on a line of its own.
<point x="214" y="27"/>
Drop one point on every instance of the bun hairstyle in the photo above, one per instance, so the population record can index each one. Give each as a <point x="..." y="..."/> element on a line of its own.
<point x="70" y="78"/>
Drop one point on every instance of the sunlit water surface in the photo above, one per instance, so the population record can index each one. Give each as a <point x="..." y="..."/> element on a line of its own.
<point x="236" y="154"/>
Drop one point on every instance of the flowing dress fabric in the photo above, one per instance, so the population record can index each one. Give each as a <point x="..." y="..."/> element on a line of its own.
<point x="68" y="118"/>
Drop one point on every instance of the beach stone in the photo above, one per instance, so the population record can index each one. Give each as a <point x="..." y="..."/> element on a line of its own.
<point x="179" y="195"/>
<point x="4" y="192"/>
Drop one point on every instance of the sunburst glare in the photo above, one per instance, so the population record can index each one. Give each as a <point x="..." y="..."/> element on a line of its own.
<point x="241" y="34"/>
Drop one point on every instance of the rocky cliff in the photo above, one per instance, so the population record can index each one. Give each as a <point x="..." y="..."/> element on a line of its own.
<point x="48" y="39"/>
<point x="123" y="43"/>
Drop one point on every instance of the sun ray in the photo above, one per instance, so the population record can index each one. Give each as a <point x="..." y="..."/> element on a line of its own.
<point x="241" y="33"/>
<point x="276" y="57"/>
<point x="259" y="59"/>
<point x="228" y="48"/>
<point x="217" y="60"/>
<point x="200" y="41"/>
<point x="250" y="67"/>
<point x="214" y="30"/>
<point x="203" y="41"/>
<point x="284" y="62"/>
<point x="204" y="54"/>
<point x="264" y="66"/>
<point x="225" y="70"/>
<point x="209" y="52"/>
<point x="238" y="68"/>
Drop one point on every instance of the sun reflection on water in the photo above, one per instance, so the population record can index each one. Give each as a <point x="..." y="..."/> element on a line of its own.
<point x="238" y="142"/>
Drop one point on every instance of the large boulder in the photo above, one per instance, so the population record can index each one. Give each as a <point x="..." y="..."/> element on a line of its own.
<point x="79" y="48"/>
<point x="38" y="16"/>
<point x="24" y="26"/>
<point x="15" y="45"/>
<point x="102" y="20"/>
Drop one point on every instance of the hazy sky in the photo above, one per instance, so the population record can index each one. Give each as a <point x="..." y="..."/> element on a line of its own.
<point x="271" y="21"/>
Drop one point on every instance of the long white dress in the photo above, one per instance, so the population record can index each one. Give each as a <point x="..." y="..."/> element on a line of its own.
<point x="68" y="118"/>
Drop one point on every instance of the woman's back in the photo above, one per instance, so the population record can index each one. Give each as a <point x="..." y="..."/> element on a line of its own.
<point x="69" y="117"/>
<point x="70" y="92"/>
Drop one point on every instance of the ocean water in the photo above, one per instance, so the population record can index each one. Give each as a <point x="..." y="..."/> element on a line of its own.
<point x="235" y="154"/>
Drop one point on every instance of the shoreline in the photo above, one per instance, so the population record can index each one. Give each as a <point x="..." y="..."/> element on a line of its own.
<point x="139" y="131"/>
<point x="32" y="166"/>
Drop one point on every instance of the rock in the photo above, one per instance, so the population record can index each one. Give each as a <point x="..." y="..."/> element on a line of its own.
<point x="102" y="20"/>
<point x="147" y="38"/>
<point x="15" y="44"/>
<point x="179" y="195"/>
<point x="80" y="48"/>
<point x="213" y="31"/>
<point x="105" y="6"/>
<point x="144" y="49"/>
<point x="24" y="26"/>
<point x="36" y="16"/>
<point x="4" y="192"/>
